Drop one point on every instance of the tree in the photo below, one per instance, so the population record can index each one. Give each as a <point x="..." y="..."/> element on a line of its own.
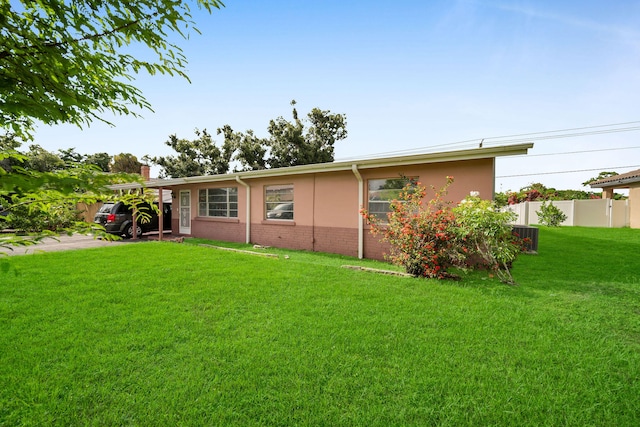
<point x="41" y="160"/>
<point x="250" y="150"/>
<point x="292" y="143"/>
<point x="289" y="144"/>
<point x="63" y="62"/>
<point x="48" y="199"/>
<point x="67" y="62"/>
<point x="70" y="155"/>
<point x="200" y="156"/>
<point x="8" y="144"/>
<point x="538" y="192"/>
<point x="601" y="175"/>
<point x="125" y="162"/>
<point x="101" y="160"/>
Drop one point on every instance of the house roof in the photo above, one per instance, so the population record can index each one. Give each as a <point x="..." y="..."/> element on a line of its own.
<point x="360" y="164"/>
<point x="618" y="180"/>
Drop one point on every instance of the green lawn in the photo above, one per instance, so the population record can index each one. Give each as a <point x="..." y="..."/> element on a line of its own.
<point x="158" y="334"/>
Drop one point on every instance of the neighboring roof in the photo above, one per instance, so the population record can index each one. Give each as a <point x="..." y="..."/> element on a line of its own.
<point x="348" y="165"/>
<point x="618" y="180"/>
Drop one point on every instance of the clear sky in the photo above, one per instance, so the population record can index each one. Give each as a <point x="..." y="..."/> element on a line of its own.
<point x="409" y="75"/>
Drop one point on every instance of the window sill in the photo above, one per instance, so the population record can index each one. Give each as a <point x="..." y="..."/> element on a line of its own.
<point x="216" y="219"/>
<point x="287" y="222"/>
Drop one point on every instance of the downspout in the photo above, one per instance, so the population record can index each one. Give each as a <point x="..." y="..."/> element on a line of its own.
<point x="161" y="213"/>
<point x="356" y="172"/>
<point x="248" y="219"/>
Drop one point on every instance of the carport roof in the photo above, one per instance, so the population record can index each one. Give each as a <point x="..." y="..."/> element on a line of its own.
<point x="618" y="180"/>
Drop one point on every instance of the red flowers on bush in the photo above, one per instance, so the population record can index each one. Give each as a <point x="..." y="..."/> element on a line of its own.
<point x="428" y="239"/>
<point x="422" y="239"/>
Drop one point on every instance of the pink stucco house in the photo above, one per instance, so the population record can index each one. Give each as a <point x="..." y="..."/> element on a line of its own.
<point x="317" y="207"/>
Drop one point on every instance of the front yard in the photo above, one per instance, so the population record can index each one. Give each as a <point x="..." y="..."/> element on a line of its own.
<point x="178" y="334"/>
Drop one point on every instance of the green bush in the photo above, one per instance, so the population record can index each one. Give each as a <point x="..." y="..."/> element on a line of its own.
<point x="27" y="219"/>
<point x="550" y="215"/>
<point x="488" y="235"/>
<point x="427" y="239"/>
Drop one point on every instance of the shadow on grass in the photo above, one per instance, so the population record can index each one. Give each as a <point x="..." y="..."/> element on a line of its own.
<point x="585" y="260"/>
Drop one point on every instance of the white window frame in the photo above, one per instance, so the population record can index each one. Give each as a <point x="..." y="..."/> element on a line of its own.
<point x="218" y="202"/>
<point x="275" y="199"/>
<point x="379" y="199"/>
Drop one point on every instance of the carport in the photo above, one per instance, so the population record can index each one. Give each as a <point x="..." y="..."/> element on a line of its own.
<point x="630" y="181"/>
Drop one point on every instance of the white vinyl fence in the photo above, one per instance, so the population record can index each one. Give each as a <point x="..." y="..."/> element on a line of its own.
<point x="585" y="213"/>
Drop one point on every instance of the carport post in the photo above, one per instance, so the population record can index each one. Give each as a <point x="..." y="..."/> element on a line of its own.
<point x="134" y="216"/>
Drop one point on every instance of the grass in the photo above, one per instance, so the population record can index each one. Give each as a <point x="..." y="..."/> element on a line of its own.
<point x="168" y="334"/>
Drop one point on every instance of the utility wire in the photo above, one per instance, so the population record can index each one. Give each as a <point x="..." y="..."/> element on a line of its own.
<point x="576" y="152"/>
<point x="563" y="130"/>
<point x="569" y="135"/>
<point x="573" y="171"/>
<point x="522" y="137"/>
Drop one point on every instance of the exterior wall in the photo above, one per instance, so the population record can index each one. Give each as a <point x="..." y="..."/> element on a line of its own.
<point x="225" y="229"/>
<point x="373" y="248"/>
<point x="337" y="214"/>
<point x="283" y="235"/>
<point x="472" y="175"/>
<point x="326" y="207"/>
<point x="340" y="240"/>
<point x="218" y="229"/>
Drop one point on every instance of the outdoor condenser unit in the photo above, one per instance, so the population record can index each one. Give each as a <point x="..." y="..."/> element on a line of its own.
<point x="529" y="232"/>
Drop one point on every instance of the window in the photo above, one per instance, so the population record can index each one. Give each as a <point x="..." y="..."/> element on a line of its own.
<point x="279" y="201"/>
<point x="382" y="192"/>
<point x="218" y="202"/>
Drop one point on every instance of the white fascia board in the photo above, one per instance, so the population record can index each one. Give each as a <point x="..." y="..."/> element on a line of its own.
<point x="413" y="159"/>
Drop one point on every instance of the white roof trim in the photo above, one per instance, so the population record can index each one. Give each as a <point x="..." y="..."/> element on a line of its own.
<point x="439" y="157"/>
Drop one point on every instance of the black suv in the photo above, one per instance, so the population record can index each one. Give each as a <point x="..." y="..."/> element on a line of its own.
<point x="117" y="218"/>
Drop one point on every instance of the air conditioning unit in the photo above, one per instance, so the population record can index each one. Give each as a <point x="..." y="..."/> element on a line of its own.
<point x="529" y="233"/>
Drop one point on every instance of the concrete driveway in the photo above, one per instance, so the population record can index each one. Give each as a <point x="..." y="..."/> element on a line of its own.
<point x="64" y="243"/>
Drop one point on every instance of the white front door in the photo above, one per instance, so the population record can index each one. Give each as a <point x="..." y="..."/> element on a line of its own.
<point x="185" y="212"/>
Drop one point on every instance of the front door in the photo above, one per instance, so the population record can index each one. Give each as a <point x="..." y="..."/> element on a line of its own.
<point x="185" y="212"/>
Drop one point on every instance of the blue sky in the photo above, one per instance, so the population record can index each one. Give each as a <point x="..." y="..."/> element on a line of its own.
<point x="409" y="75"/>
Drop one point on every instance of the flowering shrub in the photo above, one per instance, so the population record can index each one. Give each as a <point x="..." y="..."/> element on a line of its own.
<point x="428" y="239"/>
<point x="488" y="235"/>
<point x="423" y="239"/>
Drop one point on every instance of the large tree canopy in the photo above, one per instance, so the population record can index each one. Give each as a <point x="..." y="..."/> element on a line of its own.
<point x="63" y="61"/>
<point x="125" y="162"/>
<point x="294" y="143"/>
<point x="301" y="142"/>
<point x="195" y="157"/>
